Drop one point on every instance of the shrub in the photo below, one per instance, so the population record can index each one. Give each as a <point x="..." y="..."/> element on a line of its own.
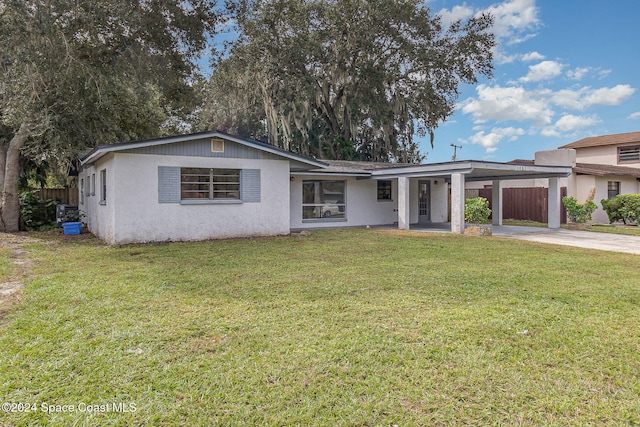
<point x="611" y="207"/>
<point x="476" y="211"/>
<point x="36" y="213"/>
<point x="578" y="212"/>
<point x="625" y="208"/>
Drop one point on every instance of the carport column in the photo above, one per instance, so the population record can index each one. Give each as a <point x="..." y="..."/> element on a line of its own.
<point x="554" y="203"/>
<point x="496" y="202"/>
<point x="457" y="203"/>
<point x="403" y="203"/>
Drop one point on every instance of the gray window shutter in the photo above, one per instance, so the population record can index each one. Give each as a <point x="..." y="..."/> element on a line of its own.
<point x="250" y="185"/>
<point x="168" y="184"/>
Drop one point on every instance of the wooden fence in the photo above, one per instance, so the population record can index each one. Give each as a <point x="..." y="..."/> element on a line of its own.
<point x="527" y="204"/>
<point x="66" y="196"/>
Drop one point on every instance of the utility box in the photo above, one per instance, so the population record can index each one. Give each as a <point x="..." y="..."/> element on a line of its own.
<point x="66" y="213"/>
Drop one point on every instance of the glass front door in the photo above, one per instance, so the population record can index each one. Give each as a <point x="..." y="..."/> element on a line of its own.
<point x="424" y="202"/>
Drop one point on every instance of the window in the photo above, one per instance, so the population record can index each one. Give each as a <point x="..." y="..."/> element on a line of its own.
<point x="93" y="184"/>
<point x="384" y="190"/>
<point x="323" y="200"/>
<point x="209" y="184"/>
<point x="87" y="186"/>
<point x="629" y="154"/>
<point x="82" y="191"/>
<point x="613" y="189"/>
<point x="103" y="186"/>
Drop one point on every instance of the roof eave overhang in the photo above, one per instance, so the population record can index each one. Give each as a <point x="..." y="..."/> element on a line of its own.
<point x="100" y="151"/>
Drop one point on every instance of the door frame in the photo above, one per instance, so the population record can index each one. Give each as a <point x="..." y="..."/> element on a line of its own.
<point x="424" y="218"/>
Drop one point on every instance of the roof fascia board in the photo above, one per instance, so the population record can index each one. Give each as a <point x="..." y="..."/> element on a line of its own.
<point x="333" y="174"/>
<point x="514" y="177"/>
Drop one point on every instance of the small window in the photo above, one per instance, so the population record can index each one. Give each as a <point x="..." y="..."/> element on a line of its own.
<point x="613" y="189"/>
<point x="323" y="200"/>
<point x="103" y="186"/>
<point x="629" y="154"/>
<point x="87" y="186"/>
<point x="217" y="145"/>
<point x="212" y="184"/>
<point x="384" y="190"/>
<point x="82" y="191"/>
<point x="93" y="184"/>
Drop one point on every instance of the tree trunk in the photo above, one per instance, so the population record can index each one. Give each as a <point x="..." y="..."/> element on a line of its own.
<point x="3" y="163"/>
<point x="10" y="207"/>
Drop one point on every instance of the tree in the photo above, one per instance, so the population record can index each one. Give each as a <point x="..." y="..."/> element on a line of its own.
<point x="348" y="79"/>
<point x="77" y="73"/>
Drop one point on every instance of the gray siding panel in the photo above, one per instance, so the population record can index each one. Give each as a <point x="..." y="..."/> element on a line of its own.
<point x="202" y="148"/>
<point x="250" y="182"/>
<point x="168" y="184"/>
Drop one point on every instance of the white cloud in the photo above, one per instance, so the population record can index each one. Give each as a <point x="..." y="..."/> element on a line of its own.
<point x="586" y="97"/>
<point x="490" y="140"/>
<point x="635" y="115"/>
<point x="609" y="96"/>
<point x="507" y="103"/>
<point x="514" y="20"/>
<point x="455" y="14"/>
<point x="578" y="73"/>
<point x="532" y="56"/>
<point x="569" y="123"/>
<point x="545" y="70"/>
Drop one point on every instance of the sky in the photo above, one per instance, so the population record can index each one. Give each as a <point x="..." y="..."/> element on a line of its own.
<point x="563" y="70"/>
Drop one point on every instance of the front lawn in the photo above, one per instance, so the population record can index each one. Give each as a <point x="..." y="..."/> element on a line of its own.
<point x="343" y="328"/>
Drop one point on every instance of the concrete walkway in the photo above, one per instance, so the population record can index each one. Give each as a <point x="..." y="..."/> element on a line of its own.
<point x="581" y="239"/>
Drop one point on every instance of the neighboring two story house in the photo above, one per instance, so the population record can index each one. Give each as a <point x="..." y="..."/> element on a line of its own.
<point x="610" y="164"/>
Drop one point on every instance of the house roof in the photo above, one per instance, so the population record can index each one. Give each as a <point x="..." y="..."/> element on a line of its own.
<point x="605" y="170"/>
<point x="593" y="169"/>
<point x="599" y="141"/>
<point x="353" y="168"/>
<point x="100" y="151"/>
<point x="473" y="170"/>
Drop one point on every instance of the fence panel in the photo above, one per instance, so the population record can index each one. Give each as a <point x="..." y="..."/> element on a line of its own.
<point x="526" y="204"/>
<point x="66" y="196"/>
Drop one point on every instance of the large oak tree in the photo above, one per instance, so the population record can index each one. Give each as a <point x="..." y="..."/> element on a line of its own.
<point x="344" y="79"/>
<point x="76" y="73"/>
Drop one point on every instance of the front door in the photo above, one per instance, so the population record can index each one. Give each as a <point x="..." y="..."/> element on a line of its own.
<point x="424" y="202"/>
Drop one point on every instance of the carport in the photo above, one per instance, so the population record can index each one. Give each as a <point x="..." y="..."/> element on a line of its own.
<point x="458" y="173"/>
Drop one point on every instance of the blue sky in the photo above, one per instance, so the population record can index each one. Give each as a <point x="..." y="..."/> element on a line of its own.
<point x="564" y="70"/>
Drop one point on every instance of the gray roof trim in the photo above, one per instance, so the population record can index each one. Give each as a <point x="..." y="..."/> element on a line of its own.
<point x="477" y="170"/>
<point x="474" y="171"/>
<point x="332" y="173"/>
<point x="100" y="151"/>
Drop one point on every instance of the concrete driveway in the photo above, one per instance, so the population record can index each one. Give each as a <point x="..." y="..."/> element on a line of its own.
<point x="581" y="239"/>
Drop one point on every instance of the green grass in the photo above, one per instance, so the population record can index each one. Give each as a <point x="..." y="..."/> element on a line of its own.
<point x="343" y="328"/>
<point x="630" y="231"/>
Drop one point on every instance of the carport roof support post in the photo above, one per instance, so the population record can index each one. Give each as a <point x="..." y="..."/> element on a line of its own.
<point x="457" y="203"/>
<point x="403" y="203"/>
<point x="554" y="203"/>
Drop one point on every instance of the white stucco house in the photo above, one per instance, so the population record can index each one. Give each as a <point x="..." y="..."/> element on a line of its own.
<point x="212" y="185"/>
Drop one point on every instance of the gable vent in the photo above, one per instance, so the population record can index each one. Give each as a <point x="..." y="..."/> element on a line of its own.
<point x="217" y="145"/>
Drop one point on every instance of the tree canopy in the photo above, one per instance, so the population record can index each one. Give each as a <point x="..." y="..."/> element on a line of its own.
<point x="344" y="79"/>
<point x="77" y="73"/>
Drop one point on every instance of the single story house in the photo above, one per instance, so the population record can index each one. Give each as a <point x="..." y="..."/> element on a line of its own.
<point x="213" y="185"/>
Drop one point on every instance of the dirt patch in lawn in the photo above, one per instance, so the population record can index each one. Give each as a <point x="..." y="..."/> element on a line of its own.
<point x="11" y="289"/>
